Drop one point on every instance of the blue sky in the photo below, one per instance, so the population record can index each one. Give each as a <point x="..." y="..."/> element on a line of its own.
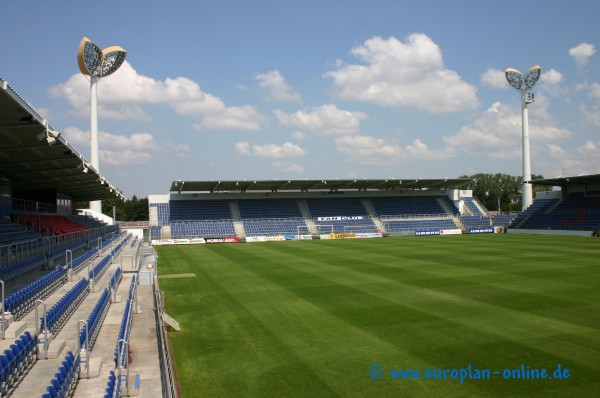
<point x="229" y="90"/>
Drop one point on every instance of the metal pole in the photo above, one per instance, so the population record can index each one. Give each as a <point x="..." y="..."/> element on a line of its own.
<point x="87" y="345"/>
<point x="95" y="205"/>
<point x="160" y="300"/>
<point x="124" y="349"/>
<point x="527" y="188"/>
<point x="37" y="302"/>
<point x="69" y="263"/>
<point x="3" y="310"/>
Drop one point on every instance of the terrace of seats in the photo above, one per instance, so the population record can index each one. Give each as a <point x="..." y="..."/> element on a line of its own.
<point x="476" y="221"/>
<point x="277" y="216"/>
<point x="202" y="229"/>
<point x="472" y="206"/>
<point x="11" y="233"/>
<point x="574" y="212"/>
<point x="25" y="369"/>
<point x="49" y="224"/>
<point x="199" y="210"/>
<point x="419" y="225"/>
<point x="352" y="210"/>
<point x="270" y="217"/>
<point x="411" y="206"/>
<point x="200" y="218"/>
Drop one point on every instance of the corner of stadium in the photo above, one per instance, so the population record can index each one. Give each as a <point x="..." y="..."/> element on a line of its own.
<point x="84" y="313"/>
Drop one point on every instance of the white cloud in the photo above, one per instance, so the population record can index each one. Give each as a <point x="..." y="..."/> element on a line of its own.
<point x="118" y="149"/>
<point x="410" y="74"/>
<point x="555" y="149"/>
<point x="591" y="111"/>
<point x="273" y="151"/>
<point x="591" y="114"/>
<point x="233" y="118"/>
<point x="276" y="88"/>
<point x="583" y="159"/>
<point x="581" y="53"/>
<point x="497" y="133"/>
<point x="551" y="81"/>
<point x="326" y="120"/>
<point x="123" y="157"/>
<point x="551" y="76"/>
<point x="594" y="92"/>
<point x="494" y="78"/>
<point x="288" y="167"/>
<point x="373" y="150"/>
<point x="124" y="93"/>
<point x="299" y="135"/>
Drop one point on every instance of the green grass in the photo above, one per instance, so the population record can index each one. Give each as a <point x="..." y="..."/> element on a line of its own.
<point x="309" y="318"/>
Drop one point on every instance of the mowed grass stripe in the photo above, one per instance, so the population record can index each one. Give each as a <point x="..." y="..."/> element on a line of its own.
<point x="284" y="315"/>
<point x="526" y="323"/>
<point x="324" y="311"/>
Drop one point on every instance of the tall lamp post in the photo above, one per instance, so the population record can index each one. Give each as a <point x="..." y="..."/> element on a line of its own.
<point x="524" y="84"/>
<point x="96" y="64"/>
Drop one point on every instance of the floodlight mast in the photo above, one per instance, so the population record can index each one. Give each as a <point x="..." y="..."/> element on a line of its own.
<point x="524" y="84"/>
<point x="96" y="64"/>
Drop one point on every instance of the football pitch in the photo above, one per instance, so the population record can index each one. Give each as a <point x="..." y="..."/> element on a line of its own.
<point x="452" y="316"/>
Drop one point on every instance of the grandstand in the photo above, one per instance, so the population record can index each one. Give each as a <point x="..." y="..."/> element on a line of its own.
<point x="63" y="273"/>
<point x="75" y="288"/>
<point x="312" y="209"/>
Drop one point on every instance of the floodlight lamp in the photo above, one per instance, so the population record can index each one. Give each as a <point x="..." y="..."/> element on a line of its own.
<point x="520" y="82"/>
<point x="532" y="76"/>
<point x="51" y="140"/>
<point x="86" y="167"/>
<point x="99" y="63"/>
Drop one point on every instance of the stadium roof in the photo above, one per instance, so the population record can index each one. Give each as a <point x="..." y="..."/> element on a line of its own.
<point x="35" y="157"/>
<point x="315" y="185"/>
<point x="593" y="179"/>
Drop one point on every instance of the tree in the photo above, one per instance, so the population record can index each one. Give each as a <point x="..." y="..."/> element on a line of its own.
<point x="133" y="209"/>
<point x="498" y="191"/>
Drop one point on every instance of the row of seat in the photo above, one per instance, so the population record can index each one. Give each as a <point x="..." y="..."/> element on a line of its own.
<point x="100" y="268"/>
<point x="113" y="386"/>
<point x="65" y="379"/>
<point x="94" y="321"/>
<point x="125" y="326"/>
<point x="60" y="250"/>
<point x="21" y="268"/>
<point x="59" y="313"/>
<point x="115" y="279"/>
<point x="18" y="236"/>
<point x="16" y="360"/>
<point x="419" y="225"/>
<point x="83" y="258"/>
<point x="475" y="221"/>
<point x="203" y="229"/>
<point x="50" y="224"/>
<point x="23" y="300"/>
<point x="273" y="227"/>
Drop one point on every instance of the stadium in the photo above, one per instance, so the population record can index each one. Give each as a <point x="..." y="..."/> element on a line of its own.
<point x="354" y="287"/>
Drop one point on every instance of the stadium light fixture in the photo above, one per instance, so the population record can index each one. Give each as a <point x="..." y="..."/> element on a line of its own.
<point x="97" y="64"/>
<point x="523" y="84"/>
<point x="49" y="135"/>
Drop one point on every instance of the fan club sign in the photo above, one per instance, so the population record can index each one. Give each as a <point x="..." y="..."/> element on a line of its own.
<point x="340" y="218"/>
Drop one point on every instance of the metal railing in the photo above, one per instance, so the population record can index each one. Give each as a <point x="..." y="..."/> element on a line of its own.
<point x="170" y="385"/>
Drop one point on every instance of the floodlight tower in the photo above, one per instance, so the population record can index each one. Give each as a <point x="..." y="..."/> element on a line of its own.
<point x="524" y="84"/>
<point x="96" y="64"/>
